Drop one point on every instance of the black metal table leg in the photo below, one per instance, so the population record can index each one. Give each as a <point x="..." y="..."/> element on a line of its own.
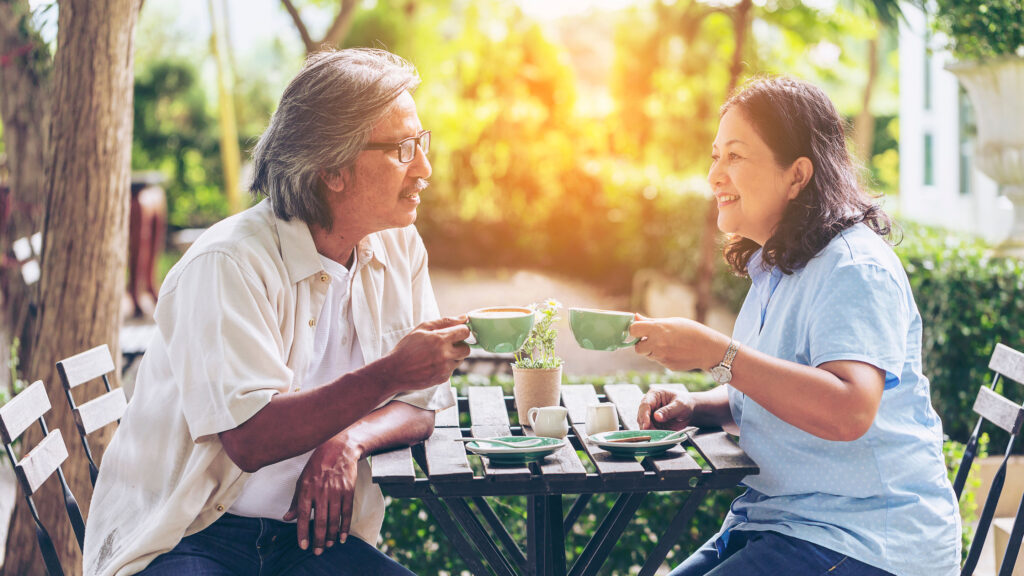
<point x="539" y="541"/>
<point x="477" y="534"/>
<point x="451" y="530"/>
<point x="607" y="534"/>
<point x="672" y="534"/>
<point x="574" y="512"/>
<point x="555" y="536"/>
<point x="511" y="548"/>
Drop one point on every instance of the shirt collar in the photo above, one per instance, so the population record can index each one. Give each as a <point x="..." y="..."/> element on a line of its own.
<point x="763" y="281"/>
<point x="301" y="258"/>
<point x="297" y="248"/>
<point x="755" y="268"/>
<point x="372" y="249"/>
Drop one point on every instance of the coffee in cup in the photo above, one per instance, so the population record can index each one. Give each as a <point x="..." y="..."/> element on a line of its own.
<point x="601" y="329"/>
<point x="500" y="329"/>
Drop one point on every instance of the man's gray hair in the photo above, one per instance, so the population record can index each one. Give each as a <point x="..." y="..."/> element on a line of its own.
<point x="324" y="120"/>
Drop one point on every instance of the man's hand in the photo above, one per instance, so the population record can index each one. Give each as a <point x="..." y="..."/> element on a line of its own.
<point x="665" y="409"/>
<point x="328" y="485"/>
<point x="678" y="343"/>
<point x="426" y="356"/>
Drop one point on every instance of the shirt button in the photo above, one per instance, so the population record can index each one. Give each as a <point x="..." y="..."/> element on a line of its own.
<point x="312" y="322"/>
<point x="220" y="507"/>
<point x="324" y="277"/>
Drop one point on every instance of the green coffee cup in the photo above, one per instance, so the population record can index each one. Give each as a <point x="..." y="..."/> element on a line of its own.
<point x="500" y="329"/>
<point x="601" y="329"/>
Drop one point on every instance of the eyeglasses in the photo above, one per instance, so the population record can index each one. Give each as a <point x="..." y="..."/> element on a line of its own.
<point x="406" y="148"/>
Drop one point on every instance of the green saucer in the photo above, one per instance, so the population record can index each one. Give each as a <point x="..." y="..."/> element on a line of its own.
<point x="502" y="455"/>
<point x="656" y="445"/>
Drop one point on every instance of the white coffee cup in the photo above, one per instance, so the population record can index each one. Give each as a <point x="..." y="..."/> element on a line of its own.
<point x="602" y="418"/>
<point x="549" y="421"/>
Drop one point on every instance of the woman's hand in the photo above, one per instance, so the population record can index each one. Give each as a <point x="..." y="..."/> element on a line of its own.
<point x="327" y="484"/>
<point x="677" y="343"/>
<point x="665" y="409"/>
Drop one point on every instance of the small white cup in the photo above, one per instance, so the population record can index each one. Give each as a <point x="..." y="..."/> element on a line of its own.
<point x="549" y="421"/>
<point x="602" y="418"/>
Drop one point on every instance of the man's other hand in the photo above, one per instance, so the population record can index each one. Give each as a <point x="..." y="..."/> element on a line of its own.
<point x="327" y="485"/>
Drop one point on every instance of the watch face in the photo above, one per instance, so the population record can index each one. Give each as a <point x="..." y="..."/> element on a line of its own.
<point x="721" y="374"/>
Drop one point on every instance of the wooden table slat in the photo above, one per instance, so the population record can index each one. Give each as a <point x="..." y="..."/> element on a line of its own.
<point x="576" y="398"/>
<point x="447" y="418"/>
<point x="673" y="463"/>
<point x="489" y="418"/>
<point x="722" y="453"/>
<point x="487" y="406"/>
<point x="562" y="464"/>
<point x="393" y="466"/>
<point x="607" y="465"/>
<point x="446" y="460"/>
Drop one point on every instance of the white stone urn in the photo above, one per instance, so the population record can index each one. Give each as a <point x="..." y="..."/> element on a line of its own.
<point x="996" y="90"/>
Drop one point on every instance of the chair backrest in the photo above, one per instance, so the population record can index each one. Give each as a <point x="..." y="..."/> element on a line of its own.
<point x="100" y="411"/>
<point x="1007" y="365"/>
<point x="39" y="464"/>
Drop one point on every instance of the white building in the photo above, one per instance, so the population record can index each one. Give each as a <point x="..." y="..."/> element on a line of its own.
<point x="939" y="183"/>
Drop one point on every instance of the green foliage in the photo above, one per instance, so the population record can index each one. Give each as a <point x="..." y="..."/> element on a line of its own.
<point x="969" y="301"/>
<point x="979" y="29"/>
<point x="176" y="136"/>
<point x="538" y="352"/>
<point x="13" y="363"/>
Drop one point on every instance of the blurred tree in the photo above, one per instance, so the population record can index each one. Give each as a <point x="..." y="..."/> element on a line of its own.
<point x="175" y="135"/>
<point x="25" y="93"/>
<point x="335" y="35"/>
<point x="887" y="14"/>
<point x="85" y="234"/>
<point x="220" y="47"/>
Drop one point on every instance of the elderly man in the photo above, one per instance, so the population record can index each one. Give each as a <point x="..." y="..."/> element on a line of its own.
<point x="294" y="339"/>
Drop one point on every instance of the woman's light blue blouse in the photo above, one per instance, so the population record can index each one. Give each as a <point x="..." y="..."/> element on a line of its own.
<point x="884" y="498"/>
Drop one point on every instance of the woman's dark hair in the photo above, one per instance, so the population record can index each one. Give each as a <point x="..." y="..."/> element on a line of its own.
<point x="797" y="119"/>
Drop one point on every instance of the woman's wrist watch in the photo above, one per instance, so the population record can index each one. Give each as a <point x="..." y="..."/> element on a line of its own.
<point x="722" y="373"/>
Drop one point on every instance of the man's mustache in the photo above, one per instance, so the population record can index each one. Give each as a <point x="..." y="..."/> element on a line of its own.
<point x="416" y="187"/>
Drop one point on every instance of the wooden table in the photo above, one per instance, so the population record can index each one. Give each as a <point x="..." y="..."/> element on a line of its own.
<point x="450" y="486"/>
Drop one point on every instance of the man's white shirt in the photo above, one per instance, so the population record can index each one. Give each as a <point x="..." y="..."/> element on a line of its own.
<point x="238" y="317"/>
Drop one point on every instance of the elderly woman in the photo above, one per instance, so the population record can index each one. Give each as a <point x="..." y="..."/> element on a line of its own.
<point x="822" y="377"/>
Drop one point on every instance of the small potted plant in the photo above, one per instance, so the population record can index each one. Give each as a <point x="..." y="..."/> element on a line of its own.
<point x="536" y="370"/>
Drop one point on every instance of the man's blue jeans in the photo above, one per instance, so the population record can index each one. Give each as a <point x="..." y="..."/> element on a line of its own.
<point x="771" y="554"/>
<point x="237" y="546"/>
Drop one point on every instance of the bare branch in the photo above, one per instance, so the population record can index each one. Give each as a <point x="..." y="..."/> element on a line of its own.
<point x="342" y="24"/>
<point x="306" y="39"/>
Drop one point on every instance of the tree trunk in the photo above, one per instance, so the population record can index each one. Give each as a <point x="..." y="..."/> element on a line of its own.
<point x="25" y="66"/>
<point x="86" y="228"/>
<point x="864" y="125"/>
<point x="709" y="236"/>
<point x="229" y="153"/>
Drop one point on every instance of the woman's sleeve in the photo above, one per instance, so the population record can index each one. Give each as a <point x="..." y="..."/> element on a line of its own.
<point x="861" y="313"/>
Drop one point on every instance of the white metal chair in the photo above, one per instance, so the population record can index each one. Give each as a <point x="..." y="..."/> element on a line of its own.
<point x="100" y="411"/>
<point x="39" y="464"/>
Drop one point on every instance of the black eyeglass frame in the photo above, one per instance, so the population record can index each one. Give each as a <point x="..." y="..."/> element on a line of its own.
<point x="421" y="141"/>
